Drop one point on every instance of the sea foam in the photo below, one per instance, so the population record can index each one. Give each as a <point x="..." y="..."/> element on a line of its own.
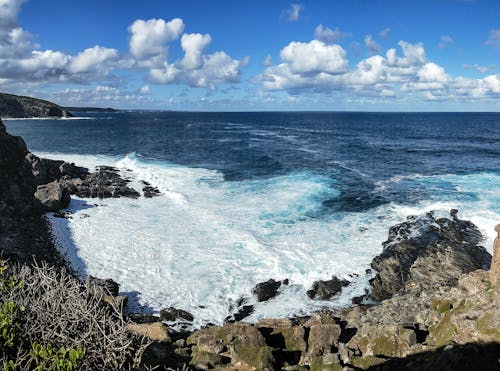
<point x="206" y="242"/>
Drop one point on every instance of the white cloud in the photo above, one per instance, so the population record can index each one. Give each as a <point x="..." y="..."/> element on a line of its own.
<point x="494" y="38"/>
<point x="328" y="35"/>
<point x="479" y="68"/>
<point x="193" y="45"/>
<point x="145" y="90"/>
<point x="371" y="45"/>
<point x="92" y="59"/>
<point x="268" y="60"/>
<point x="384" y="34"/>
<point x="293" y="13"/>
<point x="149" y="38"/>
<point x="314" y="57"/>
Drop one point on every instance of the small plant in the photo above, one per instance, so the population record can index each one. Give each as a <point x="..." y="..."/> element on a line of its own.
<point x="57" y="359"/>
<point x="10" y="314"/>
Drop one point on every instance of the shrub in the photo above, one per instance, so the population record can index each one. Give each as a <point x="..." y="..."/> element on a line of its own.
<point x="49" y="320"/>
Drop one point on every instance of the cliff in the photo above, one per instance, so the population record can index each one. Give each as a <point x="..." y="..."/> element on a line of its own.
<point x="16" y="106"/>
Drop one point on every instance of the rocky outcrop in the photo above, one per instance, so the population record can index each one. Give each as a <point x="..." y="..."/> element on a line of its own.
<point x="266" y="290"/>
<point x="17" y="106"/>
<point x="427" y="252"/>
<point x="31" y="186"/>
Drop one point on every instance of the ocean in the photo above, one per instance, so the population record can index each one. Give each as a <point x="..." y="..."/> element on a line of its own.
<point x="247" y="197"/>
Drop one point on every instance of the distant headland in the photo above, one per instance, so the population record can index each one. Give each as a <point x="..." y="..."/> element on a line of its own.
<point x="17" y="106"/>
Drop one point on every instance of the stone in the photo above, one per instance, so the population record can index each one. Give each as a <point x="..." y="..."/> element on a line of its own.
<point x="266" y="290"/>
<point x="324" y="290"/>
<point x="495" y="262"/>
<point x="173" y="314"/>
<point x="52" y="196"/>
<point x="156" y="331"/>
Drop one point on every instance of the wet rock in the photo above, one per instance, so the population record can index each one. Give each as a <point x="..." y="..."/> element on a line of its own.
<point x="324" y="290"/>
<point x="52" y="196"/>
<point x="173" y="314"/>
<point x="150" y="192"/>
<point x="425" y="252"/>
<point x="266" y="290"/>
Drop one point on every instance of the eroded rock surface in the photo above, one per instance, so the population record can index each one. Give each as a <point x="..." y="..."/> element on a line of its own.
<point x="427" y="252"/>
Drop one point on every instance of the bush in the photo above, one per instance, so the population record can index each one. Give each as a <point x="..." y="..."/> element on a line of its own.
<point x="49" y="320"/>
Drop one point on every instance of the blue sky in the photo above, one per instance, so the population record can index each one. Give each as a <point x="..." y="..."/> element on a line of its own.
<point x="427" y="55"/>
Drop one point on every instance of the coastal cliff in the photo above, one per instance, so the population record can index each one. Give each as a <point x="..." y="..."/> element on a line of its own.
<point x="17" y="106"/>
<point x="433" y="305"/>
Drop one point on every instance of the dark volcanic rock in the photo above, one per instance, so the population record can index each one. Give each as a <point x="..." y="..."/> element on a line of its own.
<point x="16" y="181"/>
<point x="20" y="106"/>
<point x="324" y="290"/>
<point x="425" y="252"/>
<point x="266" y="290"/>
<point x="173" y="314"/>
<point x="108" y="286"/>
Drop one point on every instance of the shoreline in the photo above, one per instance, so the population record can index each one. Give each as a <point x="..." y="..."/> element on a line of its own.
<point x="430" y="278"/>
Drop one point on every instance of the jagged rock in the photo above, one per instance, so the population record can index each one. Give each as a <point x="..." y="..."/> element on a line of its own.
<point x="324" y="290"/>
<point x="323" y="338"/>
<point x="173" y="314"/>
<point x="52" y="196"/>
<point x="425" y="252"/>
<point x="266" y="290"/>
<point x="154" y="331"/>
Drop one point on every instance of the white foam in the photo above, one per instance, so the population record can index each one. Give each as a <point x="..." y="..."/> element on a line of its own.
<point x="207" y="242"/>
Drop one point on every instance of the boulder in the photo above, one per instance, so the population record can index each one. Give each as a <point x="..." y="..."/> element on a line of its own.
<point x="52" y="196"/>
<point x="156" y="331"/>
<point x="266" y="290"/>
<point x="107" y="286"/>
<point x="324" y="290"/>
<point x="426" y="252"/>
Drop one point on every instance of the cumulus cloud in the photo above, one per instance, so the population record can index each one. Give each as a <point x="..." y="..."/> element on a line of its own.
<point x="22" y="60"/>
<point x="314" y="57"/>
<point x="193" y="45"/>
<point x="494" y="38"/>
<point x="328" y="35"/>
<point x="293" y="13"/>
<point x="92" y="58"/>
<point x="371" y="45"/>
<point x="149" y="38"/>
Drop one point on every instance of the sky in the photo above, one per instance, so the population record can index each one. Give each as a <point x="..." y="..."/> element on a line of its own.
<point x="259" y="55"/>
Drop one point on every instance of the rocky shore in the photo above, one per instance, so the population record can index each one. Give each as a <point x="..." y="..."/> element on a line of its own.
<point x="433" y="304"/>
<point x="17" y="106"/>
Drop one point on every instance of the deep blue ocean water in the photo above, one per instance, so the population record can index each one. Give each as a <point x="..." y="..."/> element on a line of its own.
<point x="253" y="196"/>
<point x="355" y="150"/>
